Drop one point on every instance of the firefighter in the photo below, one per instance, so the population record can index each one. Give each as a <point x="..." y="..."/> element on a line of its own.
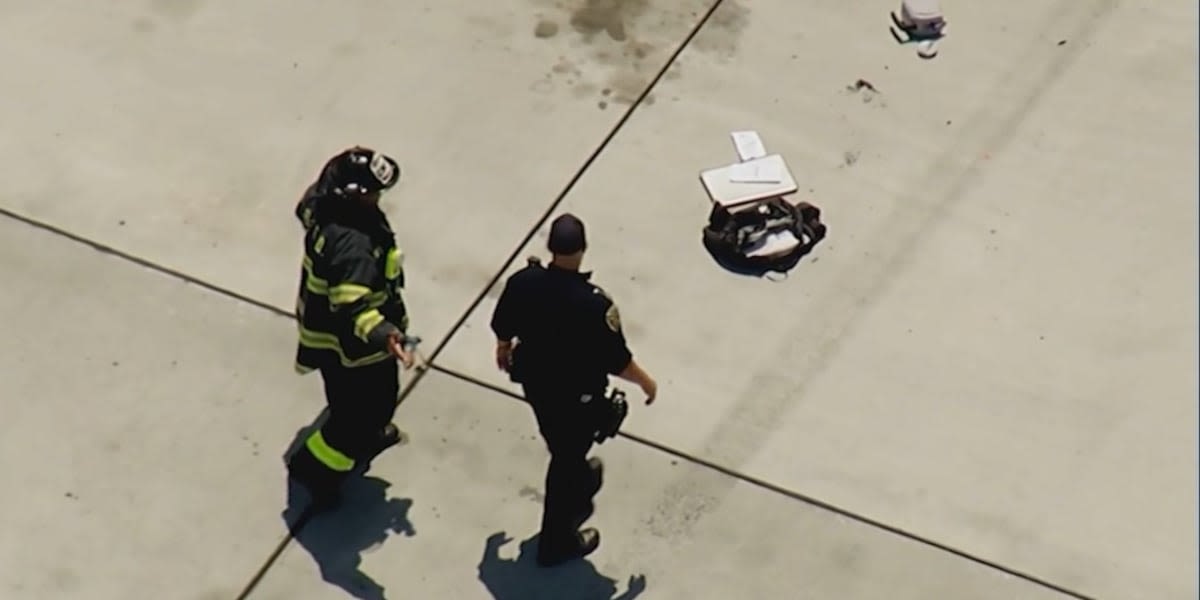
<point x="560" y="337"/>
<point x="352" y="319"/>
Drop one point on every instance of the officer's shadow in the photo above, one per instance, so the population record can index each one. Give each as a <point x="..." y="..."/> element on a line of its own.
<point x="337" y="539"/>
<point x="521" y="578"/>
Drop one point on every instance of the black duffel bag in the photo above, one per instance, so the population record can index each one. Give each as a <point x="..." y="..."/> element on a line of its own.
<point x="736" y="239"/>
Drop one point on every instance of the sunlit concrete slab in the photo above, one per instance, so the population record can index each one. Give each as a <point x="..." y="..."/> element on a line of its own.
<point x="145" y="421"/>
<point x="185" y="131"/>
<point x="454" y="514"/>
<point x="996" y="344"/>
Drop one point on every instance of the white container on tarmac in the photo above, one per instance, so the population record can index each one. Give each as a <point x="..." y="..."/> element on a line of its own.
<point x="927" y="49"/>
<point x="922" y="19"/>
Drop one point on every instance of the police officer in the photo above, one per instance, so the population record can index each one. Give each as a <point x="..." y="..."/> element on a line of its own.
<point x="560" y="336"/>
<point x="352" y="319"/>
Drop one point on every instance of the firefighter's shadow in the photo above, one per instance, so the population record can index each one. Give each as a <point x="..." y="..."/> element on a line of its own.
<point x="520" y="578"/>
<point x="337" y="539"/>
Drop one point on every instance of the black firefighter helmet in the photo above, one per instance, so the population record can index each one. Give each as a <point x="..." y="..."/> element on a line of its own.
<point x="359" y="171"/>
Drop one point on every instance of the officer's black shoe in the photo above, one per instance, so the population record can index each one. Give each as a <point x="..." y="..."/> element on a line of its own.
<point x="587" y="541"/>
<point x="596" y="470"/>
<point x="585" y="513"/>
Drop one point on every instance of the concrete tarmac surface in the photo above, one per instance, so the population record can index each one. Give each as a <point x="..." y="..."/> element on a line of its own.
<point x="982" y="384"/>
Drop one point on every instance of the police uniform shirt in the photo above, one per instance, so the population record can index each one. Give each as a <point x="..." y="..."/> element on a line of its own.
<point x="569" y="329"/>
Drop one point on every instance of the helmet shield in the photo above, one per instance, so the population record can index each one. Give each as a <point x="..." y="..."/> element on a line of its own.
<point x="360" y="171"/>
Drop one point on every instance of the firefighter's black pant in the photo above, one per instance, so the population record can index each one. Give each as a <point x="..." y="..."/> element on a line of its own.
<point x="568" y="428"/>
<point x="362" y="402"/>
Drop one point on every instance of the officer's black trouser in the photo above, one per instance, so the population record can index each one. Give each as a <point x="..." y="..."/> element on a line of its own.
<point x="362" y="401"/>
<point x="569" y="432"/>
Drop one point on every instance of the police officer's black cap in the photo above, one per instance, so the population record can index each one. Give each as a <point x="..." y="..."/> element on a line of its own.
<point x="567" y="235"/>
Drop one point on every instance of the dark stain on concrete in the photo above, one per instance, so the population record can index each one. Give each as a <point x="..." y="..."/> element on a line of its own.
<point x="626" y="86"/>
<point x="624" y="42"/>
<point x="545" y="29"/>
<point x="608" y="16"/>
<point x="721" y="34"/>
<point x="866" y="92"/>
<point x="677" y="511"/>
<point x="564" y="66"/>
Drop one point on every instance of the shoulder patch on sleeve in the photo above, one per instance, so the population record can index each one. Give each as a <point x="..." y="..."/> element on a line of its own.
<point x="612" y="318"/>
<point x="600" y="291"/>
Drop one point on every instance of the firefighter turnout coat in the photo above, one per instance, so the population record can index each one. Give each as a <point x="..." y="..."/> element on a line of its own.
<point x="350" y="296"/>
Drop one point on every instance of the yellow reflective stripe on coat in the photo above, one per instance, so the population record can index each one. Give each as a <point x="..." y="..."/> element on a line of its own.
<point x="313" y="283"/>
<point x="320" y="286"/>
<point x="365" y="322"/>
<point x="327" y="341"/>
<point x="327" y="454"/>
<point x="394" y="264"/>
<point x="346" y="293"/>
<point x="377" y="299"/>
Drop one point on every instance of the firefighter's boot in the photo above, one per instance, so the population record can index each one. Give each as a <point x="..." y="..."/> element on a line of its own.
<point x="323" y="484"/>
<point x="391" y="436"/>
<point x="584" y="543"/>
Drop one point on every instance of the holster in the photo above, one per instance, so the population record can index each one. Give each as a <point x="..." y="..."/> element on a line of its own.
<point x="610" y="414"/>
<point x="518" y="369"/>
